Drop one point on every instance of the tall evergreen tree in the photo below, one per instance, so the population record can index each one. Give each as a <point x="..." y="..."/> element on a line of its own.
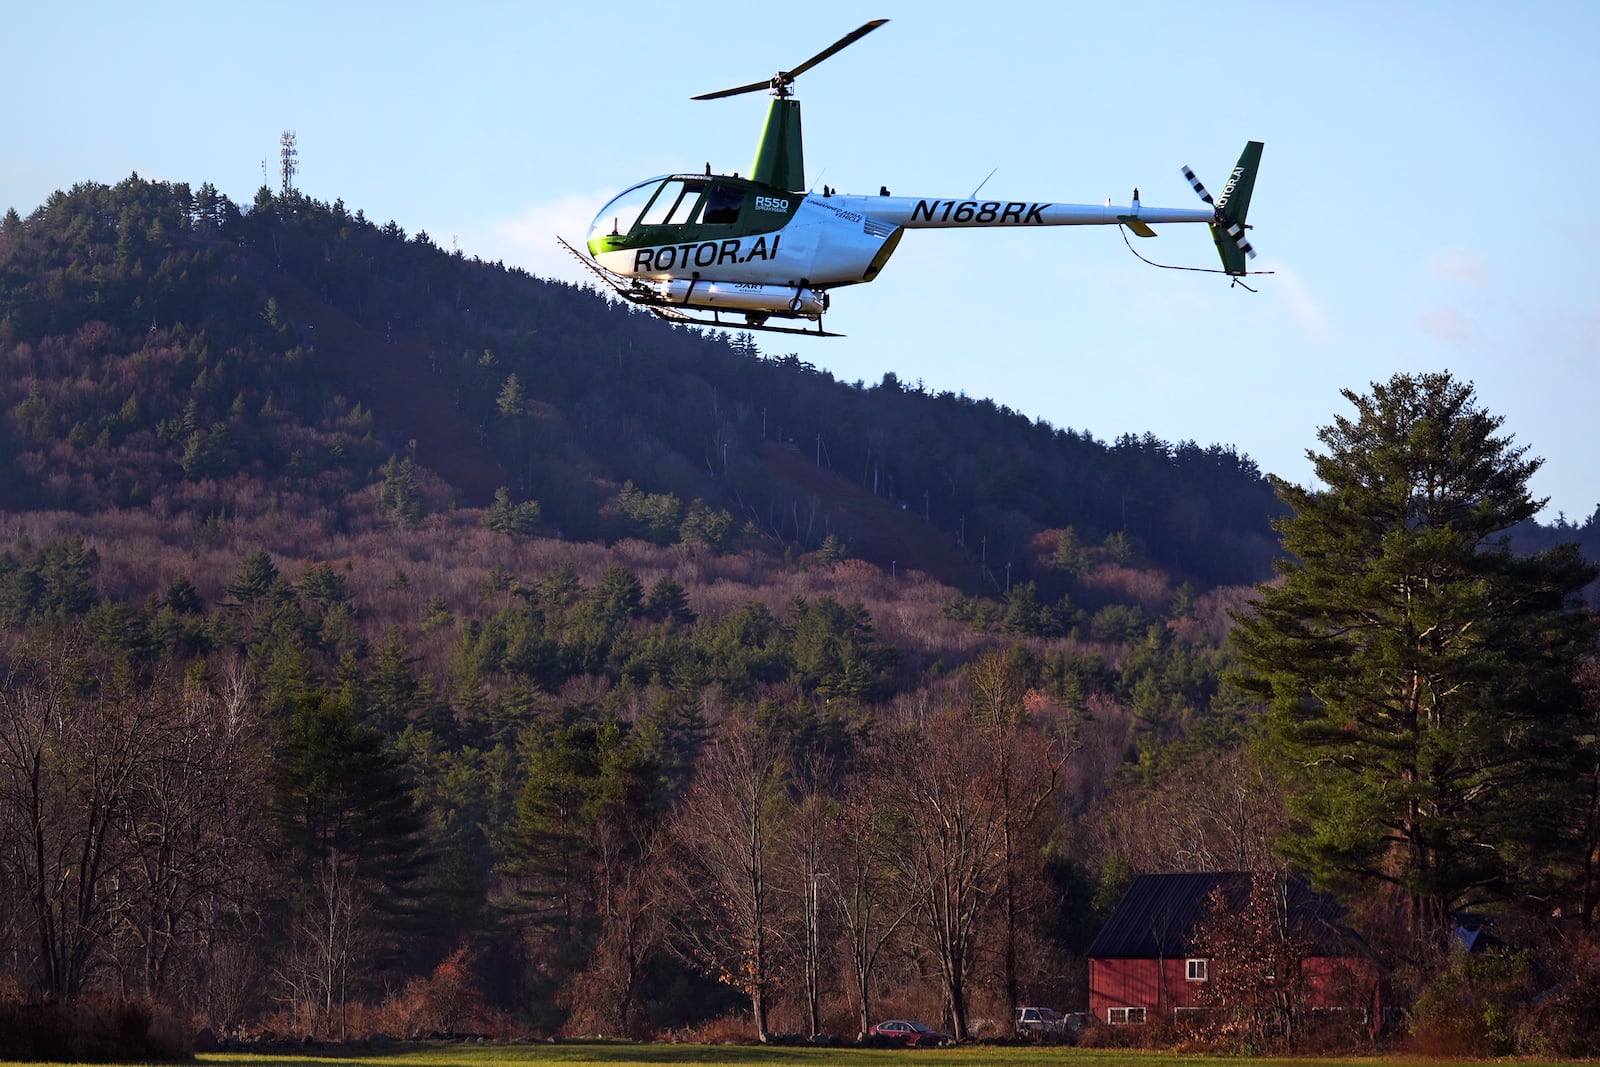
<point x="591" y="800"/>
<point x="257" y="576"/>
<point x="518" y="520"/>
<point x="1420" y="675"/>
<point x="342" y="800"/>
<point x="400" y="494"/>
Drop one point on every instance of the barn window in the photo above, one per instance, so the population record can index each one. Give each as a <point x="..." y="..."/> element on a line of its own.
<point x="1197" y="970"/>
<point x="1122" y="1016"/>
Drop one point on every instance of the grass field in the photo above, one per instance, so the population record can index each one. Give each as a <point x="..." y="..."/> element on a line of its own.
<point x="626" y="1054"/>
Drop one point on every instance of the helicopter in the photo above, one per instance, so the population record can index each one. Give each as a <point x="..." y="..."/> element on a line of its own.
<point x="739" y="252"/>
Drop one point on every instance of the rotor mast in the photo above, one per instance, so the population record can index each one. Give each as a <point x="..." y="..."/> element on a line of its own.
<point x="780" y="155"/>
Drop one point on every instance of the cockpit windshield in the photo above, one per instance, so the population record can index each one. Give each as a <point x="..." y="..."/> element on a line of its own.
<point x="618" y="217"/>
<point x="669" y="201"/>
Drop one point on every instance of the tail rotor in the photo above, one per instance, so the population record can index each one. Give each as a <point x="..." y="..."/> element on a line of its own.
<point x="1228" y="231"/>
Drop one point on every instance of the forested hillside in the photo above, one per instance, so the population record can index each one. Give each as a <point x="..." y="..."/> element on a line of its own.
<point x="395" y="641"/>
<point x="299" y="342"/>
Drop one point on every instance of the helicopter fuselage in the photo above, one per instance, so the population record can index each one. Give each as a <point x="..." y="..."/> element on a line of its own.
<point x="737" y="231"/>
<point x="723" y="241"/>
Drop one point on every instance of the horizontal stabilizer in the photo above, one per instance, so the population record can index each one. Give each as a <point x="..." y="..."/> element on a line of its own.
<point x="1136" y="226"/>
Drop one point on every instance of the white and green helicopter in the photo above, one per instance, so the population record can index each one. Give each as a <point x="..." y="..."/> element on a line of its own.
<point x="694" y="248"/>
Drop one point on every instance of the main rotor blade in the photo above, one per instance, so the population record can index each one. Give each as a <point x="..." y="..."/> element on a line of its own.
<point x="779" y="82"/>
<point x="843" y="42"/>
<point x="752" y="87"/>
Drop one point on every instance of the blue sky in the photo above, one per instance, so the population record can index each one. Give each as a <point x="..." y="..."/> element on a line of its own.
<point x="1426" y="195"/>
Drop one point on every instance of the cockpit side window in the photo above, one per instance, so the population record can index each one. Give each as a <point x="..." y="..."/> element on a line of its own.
<point x="676" y="204"/>
<point x="723" y="204"/>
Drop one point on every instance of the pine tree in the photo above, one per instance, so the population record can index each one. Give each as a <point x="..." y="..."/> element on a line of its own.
<point x="1069" y="555"/>
<point x="1420" y="675"/>
<point x="339" y="794"/>
<point x="515" y="520"/>
<point x="591" y="799"/>
<point x="668" y="600"/>
<point x="512" y="402"/>
<point x="257" y="576"/>
<point x="400" y="494"/>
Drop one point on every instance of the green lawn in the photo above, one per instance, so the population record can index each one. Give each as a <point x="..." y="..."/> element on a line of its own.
<point x="625" y="1054"/>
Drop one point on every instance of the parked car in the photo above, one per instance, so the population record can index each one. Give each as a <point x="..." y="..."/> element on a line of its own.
<point x="1041" y="1023"/>
<point x="1049" y="1024"/>
<point x="910" y="1032"/>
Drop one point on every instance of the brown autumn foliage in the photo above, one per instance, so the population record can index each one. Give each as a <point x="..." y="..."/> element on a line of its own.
<point x="446" y="1003"/>
<point x="94" y="1029"/>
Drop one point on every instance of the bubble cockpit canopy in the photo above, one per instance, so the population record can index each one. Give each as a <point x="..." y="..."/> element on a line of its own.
<point x="670" y="200"/>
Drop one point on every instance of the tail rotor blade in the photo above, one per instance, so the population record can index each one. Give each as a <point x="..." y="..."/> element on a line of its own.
<point x="1198" y="188"/>
<point x="1236" y="232"/>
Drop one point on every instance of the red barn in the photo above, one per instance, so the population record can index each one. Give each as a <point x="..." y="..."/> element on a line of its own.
<point x="1148" y="960"/>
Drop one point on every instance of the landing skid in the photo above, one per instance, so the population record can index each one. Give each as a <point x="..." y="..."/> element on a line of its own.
<point x="679" y="314"/>
<point x="674" y="313"/>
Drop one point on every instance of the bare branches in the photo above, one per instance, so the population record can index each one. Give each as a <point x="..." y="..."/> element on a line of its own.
<point x="729" y="830"/>
<point x="139" y="807"/>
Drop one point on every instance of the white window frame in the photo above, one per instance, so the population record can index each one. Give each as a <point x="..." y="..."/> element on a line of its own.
<point x="1124" y="1016"/>
<point x="1196" y="970"/>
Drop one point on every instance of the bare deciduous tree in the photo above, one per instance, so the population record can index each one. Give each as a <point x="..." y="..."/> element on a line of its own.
<point x="1027" y="761"/>
<point x="812" y="816"/>
<point x="194" y="829"/>
<point x="1256" y="979"/>
<point x="330" y="939"/>
<point x="868" y="900"/>
<point x="67" y="767"/>
<point x="963" y="797"/>
<point x="132" y="820"/>
<point x="949" y="855"/>
<point x="728" y="832"/>
<point x="632" y="929"/>
<point x="1167" y="824"/>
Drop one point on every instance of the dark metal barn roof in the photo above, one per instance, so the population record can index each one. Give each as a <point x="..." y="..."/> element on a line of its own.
<point x="1159" y="914"/>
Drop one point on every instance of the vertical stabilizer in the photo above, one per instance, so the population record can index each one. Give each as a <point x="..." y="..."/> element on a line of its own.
<point x="780" y="158"/>
<point x="1232" y="205"/>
